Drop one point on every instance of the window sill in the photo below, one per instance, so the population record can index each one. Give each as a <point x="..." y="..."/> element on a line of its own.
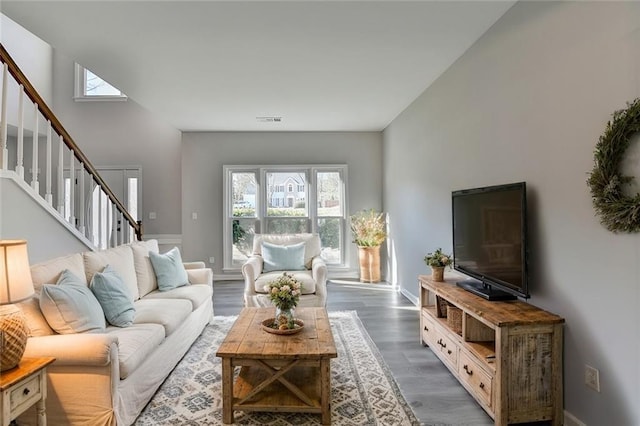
<point x="100" y="98"/>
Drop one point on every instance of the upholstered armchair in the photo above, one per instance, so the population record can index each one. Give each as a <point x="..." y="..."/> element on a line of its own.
<point x="296" y="254"/>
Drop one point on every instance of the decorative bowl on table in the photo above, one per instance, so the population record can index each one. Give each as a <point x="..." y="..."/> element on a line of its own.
<point x="271" y="326"/>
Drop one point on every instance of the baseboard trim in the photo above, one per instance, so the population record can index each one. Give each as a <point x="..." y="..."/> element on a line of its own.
<point x="227" y="277"/>
<point x="164" y="239"/>
<point x="413" y="299"/>
<point x="571" y="420"/>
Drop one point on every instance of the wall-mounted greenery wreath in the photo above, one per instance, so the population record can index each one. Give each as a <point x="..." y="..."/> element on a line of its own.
<point x="618" y="212"/>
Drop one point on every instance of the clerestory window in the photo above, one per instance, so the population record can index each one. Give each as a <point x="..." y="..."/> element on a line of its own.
<point x="89" y="86"/>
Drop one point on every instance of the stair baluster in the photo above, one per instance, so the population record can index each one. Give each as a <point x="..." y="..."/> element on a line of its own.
<point x="114" y="224"/>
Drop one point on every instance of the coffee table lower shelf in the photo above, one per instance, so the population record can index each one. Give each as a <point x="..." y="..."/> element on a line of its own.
<point x="263" y="386"/>
<point x="275" y="396"/>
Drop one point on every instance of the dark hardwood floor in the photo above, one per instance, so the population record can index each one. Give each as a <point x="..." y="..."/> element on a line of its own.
<point x="392" y="321"/>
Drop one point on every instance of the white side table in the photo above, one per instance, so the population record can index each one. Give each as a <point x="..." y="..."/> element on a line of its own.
<point x="22" y="387"/>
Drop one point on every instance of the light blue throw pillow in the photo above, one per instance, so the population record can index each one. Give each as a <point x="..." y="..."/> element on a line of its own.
<point x="114" y="297"/>
<point x="169" y="269"/>
<point x="283" y="258"/>
<point x="70" y="307"/>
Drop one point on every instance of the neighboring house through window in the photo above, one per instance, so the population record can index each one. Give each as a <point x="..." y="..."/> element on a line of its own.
<point x="282" y="200"/>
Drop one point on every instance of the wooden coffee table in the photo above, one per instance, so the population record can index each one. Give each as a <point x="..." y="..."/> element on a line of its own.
<point x="283" y="373"/>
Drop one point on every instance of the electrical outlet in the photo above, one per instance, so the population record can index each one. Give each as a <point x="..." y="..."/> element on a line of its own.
<point x="211" y="260"/>
<point x="592" y="377"/>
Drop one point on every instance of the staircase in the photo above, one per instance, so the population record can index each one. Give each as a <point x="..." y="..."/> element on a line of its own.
<point x="50" y="193"/>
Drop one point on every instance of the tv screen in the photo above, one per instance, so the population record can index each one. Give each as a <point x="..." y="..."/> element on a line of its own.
<point x="490" y="240"/>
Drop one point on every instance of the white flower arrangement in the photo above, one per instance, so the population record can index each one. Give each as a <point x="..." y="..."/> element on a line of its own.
<point x="284" y="291"/>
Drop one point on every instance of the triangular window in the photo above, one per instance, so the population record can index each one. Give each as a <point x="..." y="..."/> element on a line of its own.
<point x="90" y="86"/>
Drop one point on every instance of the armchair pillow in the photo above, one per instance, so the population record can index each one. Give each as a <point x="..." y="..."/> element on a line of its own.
<point x="283" y="257"/>
<point x="113" y="296"/>
<point x="70" y="307"/>
<point x="169" y="270"/>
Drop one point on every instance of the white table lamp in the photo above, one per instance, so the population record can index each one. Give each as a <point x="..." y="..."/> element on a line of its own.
<point x="15" y="285"/>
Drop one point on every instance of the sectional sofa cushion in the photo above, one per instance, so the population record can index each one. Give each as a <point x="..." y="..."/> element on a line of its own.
<point x="169" y="313"/>
<point x="136" y="344"/>
<point x="113" y="296"/>
<point x="36" y="322"/>
<point x="49" y="272"/>
<point x="121" y="260"/>
<point x="169" y="270"/>
<point x="70" y="307"/>
<point x="197" y="294"/>
<point x="283" y="257"/>
<point x="144" y="270"/>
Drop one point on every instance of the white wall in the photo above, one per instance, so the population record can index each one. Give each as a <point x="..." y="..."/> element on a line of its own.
<point x="125" y="134"/>
<point x="204" y="154"/>
<point x="24" y="216"/>
<point x="33" y="56"/>
<point x="528" y="102"/>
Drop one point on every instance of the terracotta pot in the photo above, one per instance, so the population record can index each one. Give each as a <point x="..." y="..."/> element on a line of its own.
<point x="369" y="264"/>
<point x="437" y="273"/>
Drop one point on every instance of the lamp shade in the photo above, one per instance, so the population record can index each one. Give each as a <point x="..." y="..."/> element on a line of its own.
<point x="15" y="274"/>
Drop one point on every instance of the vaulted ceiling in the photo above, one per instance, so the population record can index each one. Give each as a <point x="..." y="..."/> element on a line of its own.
<point x="217" y="65"/>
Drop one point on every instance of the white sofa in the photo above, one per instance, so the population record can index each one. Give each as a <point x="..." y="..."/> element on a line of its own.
<point x="107" y="378"/>
<point x="313" y="275"/>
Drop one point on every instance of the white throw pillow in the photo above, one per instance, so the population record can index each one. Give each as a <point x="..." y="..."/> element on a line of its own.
<point x="70" y="307"/>
<point x="144" y="270"/>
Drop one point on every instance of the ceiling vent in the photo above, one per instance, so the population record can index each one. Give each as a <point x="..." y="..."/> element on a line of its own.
<point x="269" y="119"/>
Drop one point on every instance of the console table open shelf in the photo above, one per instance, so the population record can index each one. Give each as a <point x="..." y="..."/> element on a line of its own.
<point x="508" y="355"/>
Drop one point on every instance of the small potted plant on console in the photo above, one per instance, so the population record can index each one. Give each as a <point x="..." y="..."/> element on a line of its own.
<point x="437" y="261"/>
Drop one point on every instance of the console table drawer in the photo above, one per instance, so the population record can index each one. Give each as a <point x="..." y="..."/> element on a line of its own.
<point x="25" y="394"/>
<point x="471" y="373"/>
<point x="428" y="332"/>
<point x="434" y="336"/>
<point x="449" y="349"/>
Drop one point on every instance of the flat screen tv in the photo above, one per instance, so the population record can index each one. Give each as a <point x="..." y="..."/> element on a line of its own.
<point x="490" y="240"/>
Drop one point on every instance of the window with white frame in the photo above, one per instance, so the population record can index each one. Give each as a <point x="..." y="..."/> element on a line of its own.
<point x="89" y="86"/>
<point x="281" y="200"/>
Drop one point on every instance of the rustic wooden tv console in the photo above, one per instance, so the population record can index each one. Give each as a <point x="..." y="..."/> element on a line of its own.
<point x="508" y="355"/>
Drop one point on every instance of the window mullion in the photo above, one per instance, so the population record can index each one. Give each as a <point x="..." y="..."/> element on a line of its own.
<point x="312" y="191"/>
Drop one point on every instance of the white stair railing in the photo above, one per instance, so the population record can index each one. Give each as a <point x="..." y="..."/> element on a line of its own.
<point x="76" y="176"/>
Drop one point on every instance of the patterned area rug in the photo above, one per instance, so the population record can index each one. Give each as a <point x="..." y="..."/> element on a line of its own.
<point x="363" y="392"/>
